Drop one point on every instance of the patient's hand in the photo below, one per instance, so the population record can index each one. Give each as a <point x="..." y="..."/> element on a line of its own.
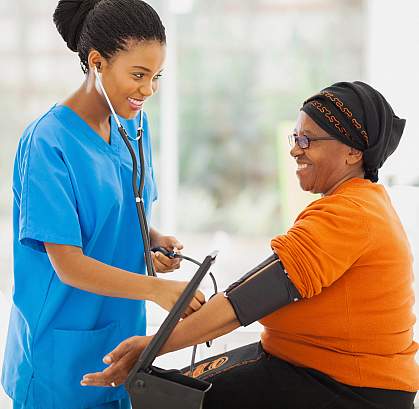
<point x="120" y="362"/>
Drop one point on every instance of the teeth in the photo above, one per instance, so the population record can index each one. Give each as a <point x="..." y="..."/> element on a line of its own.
<point x="135" y="101"/>
<point x="302" y="166"/>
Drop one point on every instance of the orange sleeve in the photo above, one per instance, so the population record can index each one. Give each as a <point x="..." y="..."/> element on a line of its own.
<point x="326" y="239"/>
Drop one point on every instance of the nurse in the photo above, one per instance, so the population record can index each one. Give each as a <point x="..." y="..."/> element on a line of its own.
<point x="79" y="283"/>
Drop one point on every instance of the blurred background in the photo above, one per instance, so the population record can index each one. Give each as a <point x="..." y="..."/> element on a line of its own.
<point x="236" y="75"/>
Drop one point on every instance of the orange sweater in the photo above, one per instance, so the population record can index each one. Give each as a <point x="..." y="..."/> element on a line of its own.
<point x="349" y="257"/>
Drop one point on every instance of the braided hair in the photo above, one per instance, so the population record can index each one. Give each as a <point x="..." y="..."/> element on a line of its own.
<point x="106" y="25"/>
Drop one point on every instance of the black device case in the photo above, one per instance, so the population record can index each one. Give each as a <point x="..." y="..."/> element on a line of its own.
<point x="150" y="387"/>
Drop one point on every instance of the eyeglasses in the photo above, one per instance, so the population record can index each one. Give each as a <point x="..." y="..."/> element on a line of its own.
<point x="304" y="141"/>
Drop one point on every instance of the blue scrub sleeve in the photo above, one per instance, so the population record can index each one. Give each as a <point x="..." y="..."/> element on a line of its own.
<point x="48" y="209"/>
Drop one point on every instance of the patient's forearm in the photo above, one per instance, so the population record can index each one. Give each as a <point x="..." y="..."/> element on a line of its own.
<point x="214" y="319"/>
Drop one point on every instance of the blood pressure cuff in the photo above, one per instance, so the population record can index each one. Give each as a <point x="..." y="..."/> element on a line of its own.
<point x="261" y="291"/>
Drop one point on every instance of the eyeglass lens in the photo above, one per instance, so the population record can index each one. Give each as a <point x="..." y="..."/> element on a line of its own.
<point x="301" y="141"/>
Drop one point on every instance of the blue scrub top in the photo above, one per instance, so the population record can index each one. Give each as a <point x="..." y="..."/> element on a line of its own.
<point x="71" y="187"/>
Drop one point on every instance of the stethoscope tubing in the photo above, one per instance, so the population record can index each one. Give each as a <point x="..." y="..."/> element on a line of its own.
<point x="138" y="194"/>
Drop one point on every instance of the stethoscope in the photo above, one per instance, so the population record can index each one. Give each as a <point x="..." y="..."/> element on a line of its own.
<point x="138" y="195"/>
<point x="138" y="192"/>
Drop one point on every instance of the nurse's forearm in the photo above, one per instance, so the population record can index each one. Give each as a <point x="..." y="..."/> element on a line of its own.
<point x="214" y="319"/>
<point x="77" y="270"/>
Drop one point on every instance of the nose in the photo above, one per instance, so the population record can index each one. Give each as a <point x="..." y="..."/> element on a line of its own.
<point x="147" y="89"/>
<point x="296" y="151"/>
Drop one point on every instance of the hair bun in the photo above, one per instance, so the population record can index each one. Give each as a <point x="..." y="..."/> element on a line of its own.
<point x="69" y="17"/>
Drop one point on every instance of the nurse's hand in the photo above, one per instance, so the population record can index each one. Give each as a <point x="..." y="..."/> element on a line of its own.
<point x="120" y="362"/>
<point x="168" y="292"/>
<point x="163" y="264"/>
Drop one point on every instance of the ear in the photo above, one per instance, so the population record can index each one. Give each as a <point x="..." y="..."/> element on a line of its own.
<point x="353" y="156"/>
<point x="95" y="59"/>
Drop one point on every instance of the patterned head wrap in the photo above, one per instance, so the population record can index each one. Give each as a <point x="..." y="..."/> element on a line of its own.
<point x="358" y="116"/>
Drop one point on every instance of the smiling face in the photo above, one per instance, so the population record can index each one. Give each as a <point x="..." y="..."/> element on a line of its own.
<point x="326" y="163"/>
<point x="131" y="75"/>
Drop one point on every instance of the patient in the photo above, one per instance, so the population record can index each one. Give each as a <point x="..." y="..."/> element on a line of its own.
<point x="348" y="340"/>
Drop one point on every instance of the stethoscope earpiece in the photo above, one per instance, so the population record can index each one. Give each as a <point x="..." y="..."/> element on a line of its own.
<point x="97" y="67"/>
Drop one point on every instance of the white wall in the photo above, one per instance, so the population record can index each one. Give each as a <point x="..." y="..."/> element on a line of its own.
<point x="392" y="61"/>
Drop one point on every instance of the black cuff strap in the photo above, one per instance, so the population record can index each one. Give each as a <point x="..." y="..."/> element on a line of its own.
<point x="261" y="291"/>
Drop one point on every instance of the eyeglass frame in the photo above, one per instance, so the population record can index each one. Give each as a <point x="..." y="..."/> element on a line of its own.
<point x="295" y="140"/>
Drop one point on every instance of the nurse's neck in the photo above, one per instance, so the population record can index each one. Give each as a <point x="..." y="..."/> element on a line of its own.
<point x="91" y="107"/>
